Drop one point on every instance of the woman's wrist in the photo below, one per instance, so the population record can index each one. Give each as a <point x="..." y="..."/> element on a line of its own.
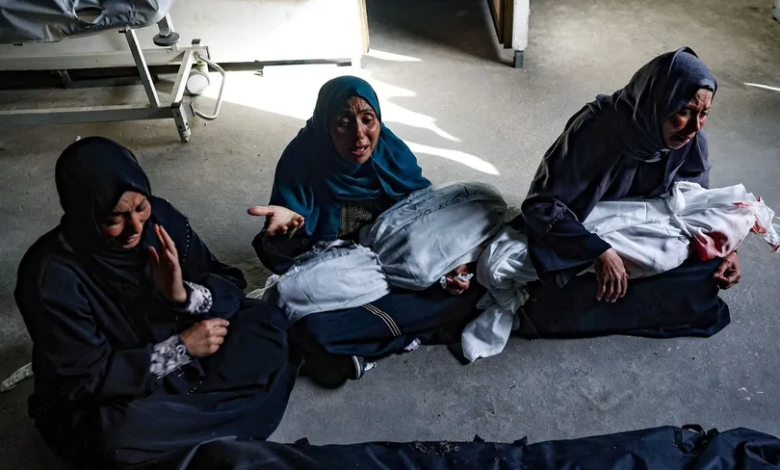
<point x="197" y="301"/>
<point x="180" y="295"/>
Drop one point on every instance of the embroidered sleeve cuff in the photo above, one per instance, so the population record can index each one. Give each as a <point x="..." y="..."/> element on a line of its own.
<point x="168" y="356"/>
<point x="199" y="300"/>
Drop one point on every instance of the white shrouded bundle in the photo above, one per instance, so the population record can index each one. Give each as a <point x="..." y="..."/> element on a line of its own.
<point x="653" y="236"/>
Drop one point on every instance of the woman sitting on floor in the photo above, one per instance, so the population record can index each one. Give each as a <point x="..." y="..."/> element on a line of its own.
<point x="339" y="174"/>
<point x="635" y="143"/>
<point x="144" y="344"/>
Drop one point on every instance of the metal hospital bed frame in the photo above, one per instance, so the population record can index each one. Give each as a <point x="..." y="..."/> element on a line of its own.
<point x="168" y="54"/>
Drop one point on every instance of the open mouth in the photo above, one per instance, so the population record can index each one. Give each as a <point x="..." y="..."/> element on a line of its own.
<point x="131" y="240"/>
<point x="359" y="152"/>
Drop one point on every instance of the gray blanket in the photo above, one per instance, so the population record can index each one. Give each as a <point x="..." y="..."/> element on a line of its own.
<point x="54" y="20"/>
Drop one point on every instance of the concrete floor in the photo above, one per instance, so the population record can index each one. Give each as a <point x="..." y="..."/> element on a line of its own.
<point x="484" y="120"/>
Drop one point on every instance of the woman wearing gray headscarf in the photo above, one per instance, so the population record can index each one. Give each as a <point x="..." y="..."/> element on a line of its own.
<point x="634" y="143"/>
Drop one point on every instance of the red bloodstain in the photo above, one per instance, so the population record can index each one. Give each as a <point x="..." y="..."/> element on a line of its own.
<point x="713" y="245"/>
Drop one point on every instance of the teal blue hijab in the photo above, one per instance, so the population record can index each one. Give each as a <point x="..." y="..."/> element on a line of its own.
<point x="312" y="179"/>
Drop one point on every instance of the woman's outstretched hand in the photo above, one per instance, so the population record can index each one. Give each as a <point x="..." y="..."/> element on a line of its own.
<point x="166" y="271"/>
<point x="204" y="338"/>
<point x="611" y="275"/>
<point x="728" y="273"/>
<point x="281" y="220"/>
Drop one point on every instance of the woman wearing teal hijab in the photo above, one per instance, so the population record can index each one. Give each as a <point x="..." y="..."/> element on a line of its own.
<point x="342" y="170"/>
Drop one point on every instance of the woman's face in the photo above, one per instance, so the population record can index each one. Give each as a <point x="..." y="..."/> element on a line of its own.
<point x="355" y="131"/>
<point x="124" y="226"/>
<point x="679" y="128"/>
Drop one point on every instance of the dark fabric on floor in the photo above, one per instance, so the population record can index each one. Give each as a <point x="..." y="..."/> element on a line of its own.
<point x="664" y="448"/>
<point x="247" y="402"/>
<point x="240" y="391"/>
<point x="681" y="302"/>
<point x="388" y="325"/>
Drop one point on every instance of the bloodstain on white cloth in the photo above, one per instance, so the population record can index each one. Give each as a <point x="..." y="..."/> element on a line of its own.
<point x="720" y="228"/>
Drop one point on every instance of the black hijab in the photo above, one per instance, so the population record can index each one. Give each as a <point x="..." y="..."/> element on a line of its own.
<point x="662" y="87"/>
<point x="92" y="175"/>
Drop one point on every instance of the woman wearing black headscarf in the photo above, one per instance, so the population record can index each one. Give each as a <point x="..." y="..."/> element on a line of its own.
<point x="635" y="143"/>
<point x="144" y="344"/>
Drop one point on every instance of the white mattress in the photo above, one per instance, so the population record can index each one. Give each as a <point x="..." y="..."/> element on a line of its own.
<point x="54" y="20"/>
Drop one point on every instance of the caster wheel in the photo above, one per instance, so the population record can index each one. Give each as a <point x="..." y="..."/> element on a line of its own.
<point x="185" y="136"/>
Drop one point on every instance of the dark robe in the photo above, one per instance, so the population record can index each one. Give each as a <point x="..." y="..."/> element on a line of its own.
<point x="96" y="402"/>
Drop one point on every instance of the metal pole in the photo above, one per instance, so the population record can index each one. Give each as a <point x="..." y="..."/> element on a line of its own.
<point x="180" y="85"/>
<point x="143" y="70"/>
<point x="166" y="25"/>
<point x="521" y="13"/>
<point x="37" y="117"/>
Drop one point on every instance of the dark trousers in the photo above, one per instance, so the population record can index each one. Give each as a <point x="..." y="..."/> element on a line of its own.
<point x="388" y="325"/>
<point x="681" y="302"/>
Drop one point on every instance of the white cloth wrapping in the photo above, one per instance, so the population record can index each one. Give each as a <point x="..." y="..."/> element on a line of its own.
<point x="53" y="20"/>
<point x="653" y="236"/>
<point x="411" y="246"/>
<point x="504" y="269"/>
<point x="433" y="231"/>
<point x="333" y="276"/>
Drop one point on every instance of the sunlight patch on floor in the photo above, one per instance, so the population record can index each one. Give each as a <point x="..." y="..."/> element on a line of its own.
<point x="292" y="92"/>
